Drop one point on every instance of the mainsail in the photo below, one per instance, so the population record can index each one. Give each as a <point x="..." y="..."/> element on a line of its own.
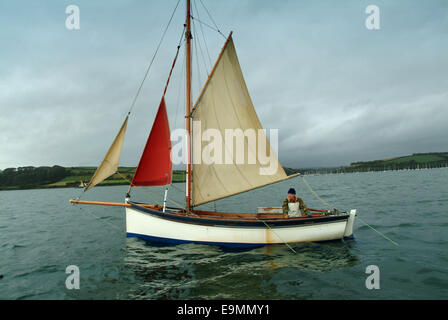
<point x="109" y="166"/>
<point x="155" y="166"/>
<point x="224" y="103"/>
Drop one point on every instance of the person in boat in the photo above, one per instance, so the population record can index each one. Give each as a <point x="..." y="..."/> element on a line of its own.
<point x="294" y="206"/>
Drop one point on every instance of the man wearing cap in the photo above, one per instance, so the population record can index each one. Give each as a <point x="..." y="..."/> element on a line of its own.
<point x="294" y="206"/>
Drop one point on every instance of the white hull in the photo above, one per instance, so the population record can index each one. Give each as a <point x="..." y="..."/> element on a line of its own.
<point x="153" y="227"/>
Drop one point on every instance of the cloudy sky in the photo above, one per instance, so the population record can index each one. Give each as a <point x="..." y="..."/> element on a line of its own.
<point x="337" y="92"/>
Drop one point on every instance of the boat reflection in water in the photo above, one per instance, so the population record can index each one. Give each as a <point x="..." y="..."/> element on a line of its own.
<point x="193" y="271"/>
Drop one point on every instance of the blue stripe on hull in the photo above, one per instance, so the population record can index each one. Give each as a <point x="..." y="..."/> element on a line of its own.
<point x="177" y="241"/>
<point x="221" y="244"/>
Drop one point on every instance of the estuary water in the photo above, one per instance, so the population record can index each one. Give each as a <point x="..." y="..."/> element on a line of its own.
<point x="41" y="234"/>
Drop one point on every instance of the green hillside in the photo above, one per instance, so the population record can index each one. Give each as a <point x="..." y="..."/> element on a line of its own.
<point x="414" y="161"/>
<point x="60" y="177"/>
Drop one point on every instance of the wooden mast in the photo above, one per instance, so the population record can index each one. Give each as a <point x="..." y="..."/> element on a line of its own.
<point x="188" y="105"/>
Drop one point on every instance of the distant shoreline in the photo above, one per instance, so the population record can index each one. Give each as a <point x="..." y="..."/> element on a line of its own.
<point x="68" y="187"/>
<point x="323" y="172"/>
<point x="28" y="178"/>
<point x="56" y="177"/>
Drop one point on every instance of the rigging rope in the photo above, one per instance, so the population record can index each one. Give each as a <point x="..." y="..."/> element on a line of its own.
<point x="153" y="58"/>
<point x="207" y="25"/>
<point x="150" y="64"/>
<point x="174" y="62"/>
<point x="315" y="194"/>
<point x="196" y="47"/>
<point x="332" y="207"/>
<point x="176" y="188"/>
<point x="203" y="37"/>
<point x="211" y="18"/>
<point x="181" y="86"/>
<point x="164" y="92"/>
<point x="148" y="193"/>
<point x="130" y="184"/>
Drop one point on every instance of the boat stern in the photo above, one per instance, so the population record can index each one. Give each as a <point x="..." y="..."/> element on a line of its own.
<point x="350" y="223"/>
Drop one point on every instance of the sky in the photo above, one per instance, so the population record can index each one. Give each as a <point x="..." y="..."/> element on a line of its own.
<point x="336" y="91"/>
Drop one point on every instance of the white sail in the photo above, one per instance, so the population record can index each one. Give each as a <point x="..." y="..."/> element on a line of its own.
<point x="109" y="166"/>
<point x="225" y="103"/>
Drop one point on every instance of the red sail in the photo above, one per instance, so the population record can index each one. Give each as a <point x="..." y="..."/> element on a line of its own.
<point x="155" y="167"/>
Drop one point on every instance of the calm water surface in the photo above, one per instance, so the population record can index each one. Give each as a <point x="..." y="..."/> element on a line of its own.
<point x="41" y="234"/>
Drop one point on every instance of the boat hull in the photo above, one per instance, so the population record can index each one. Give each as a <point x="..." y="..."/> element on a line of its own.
<point x="153" y="225"/>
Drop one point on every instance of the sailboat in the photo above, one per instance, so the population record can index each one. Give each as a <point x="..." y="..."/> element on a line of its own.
<point x="82" y="184"/>
<point x="223" y="103"/>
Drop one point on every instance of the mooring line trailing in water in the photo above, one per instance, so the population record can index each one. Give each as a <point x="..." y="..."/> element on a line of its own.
<point x="381" y="234"/>
<point x="269" y="227"/>
<point x="332" y="207"/>
<point x="99" y="219"/>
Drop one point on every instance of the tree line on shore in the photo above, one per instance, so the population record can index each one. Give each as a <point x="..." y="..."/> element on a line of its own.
<point x="28" y="177"/>
<point x="61" y="177"/>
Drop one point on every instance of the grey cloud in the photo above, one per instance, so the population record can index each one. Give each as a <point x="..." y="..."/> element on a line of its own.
<point x="337" y="92"/>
